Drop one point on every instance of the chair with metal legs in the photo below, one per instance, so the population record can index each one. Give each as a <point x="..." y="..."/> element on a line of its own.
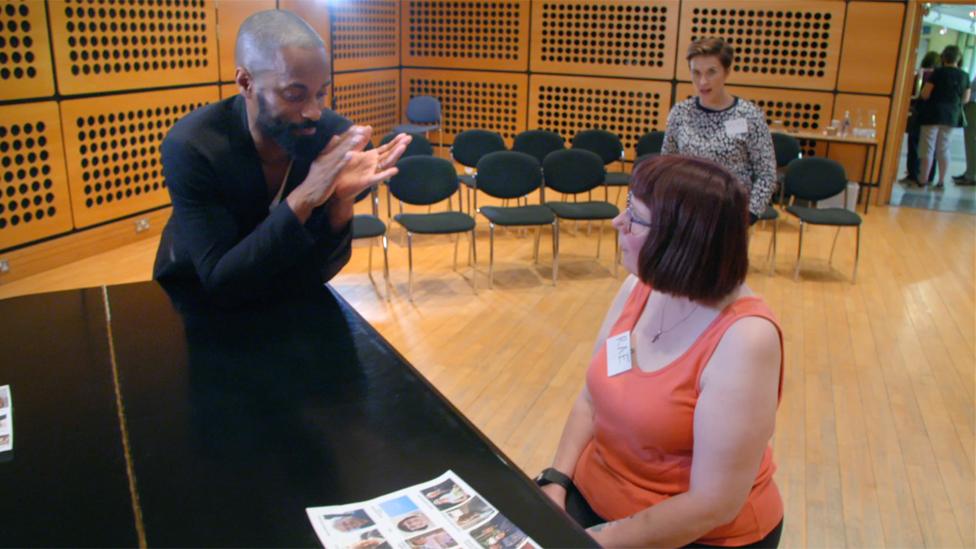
<point x="572" y="172"/>
<point x="426" y="180"/>
<point x="468" y="148"/>
<point x="424" y="116"/>
<point x="507" y="175"/>
<point x="418" y="146"/>
<point x="608" y="147"/>
<point x="813" y="179"/>
<point x="538" y="143"/>
<point x="787" y="149"/>
<point x="370" y="226"/>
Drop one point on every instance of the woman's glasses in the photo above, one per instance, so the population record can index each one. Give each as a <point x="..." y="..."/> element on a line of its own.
<point x="633" y="218"/>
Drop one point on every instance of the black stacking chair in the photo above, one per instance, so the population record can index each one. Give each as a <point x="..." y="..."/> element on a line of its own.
<point x="608" y="147"/>
<point x="418" y="146"/>
<point x="507" y="175"/>
<point x="423" y="116"/>
<point x="468" y="148"/>
<point x="787" y="149"/>
<point x="426" y="180"/>
<point x="575" y="171"/>
<point x="370" y="226"/>
<point x="650" y="143"/>
<point x="538" y="143"/>
<point x="814" y="179"/>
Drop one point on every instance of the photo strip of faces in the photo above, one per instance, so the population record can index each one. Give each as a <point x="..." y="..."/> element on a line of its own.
<point x="6" y="420"/>
<point x="439" y="514"/>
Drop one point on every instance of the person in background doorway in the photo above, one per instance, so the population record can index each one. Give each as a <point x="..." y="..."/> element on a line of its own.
<point x="969" y="111"/>
<point x="944" y="95"/>
<point x="913" y="129"/>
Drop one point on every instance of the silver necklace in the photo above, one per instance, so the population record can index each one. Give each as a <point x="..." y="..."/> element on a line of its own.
<point x="661" y="330"/>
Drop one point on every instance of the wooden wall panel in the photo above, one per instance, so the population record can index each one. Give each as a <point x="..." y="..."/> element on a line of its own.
<point x="796" y="110"/>
<point x="314" y="12"/>
<point x="860" y="107"/>
<point x="872" y="32"/>
<point x="34" y="199"/>
<point x="466" y="34"/>
<point x="227" y="90"/>
<point x="131" y="44"/>
<point x="471" y="100"/>
<point x="230" y="15"/>
<point x="605" y="37"/>
<point x="366" y="34"/>
<point x="628" y="108"/>
<point x="370" y="98"/>
<point x="25" y="53"/>
<point x="112" y="149"/>
<point x="793" y="44"/>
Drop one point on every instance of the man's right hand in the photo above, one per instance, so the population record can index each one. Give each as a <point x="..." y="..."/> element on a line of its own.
<point x="318" y="186"/>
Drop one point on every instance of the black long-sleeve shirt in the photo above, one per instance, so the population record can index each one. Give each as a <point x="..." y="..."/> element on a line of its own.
<point x="221" y="235"/>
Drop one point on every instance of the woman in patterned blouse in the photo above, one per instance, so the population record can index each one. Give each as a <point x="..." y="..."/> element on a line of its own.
<point x="721" y="127"/>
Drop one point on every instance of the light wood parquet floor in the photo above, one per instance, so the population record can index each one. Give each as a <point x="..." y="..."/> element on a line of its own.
<point x="875" y="433"/>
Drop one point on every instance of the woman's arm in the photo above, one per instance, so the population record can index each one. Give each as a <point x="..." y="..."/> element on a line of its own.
<point x="576" y="434"/>
<point x="762" y="163"/>
<point x="734" y="420"/>
<point x="670" y="144"/>
<point x="926" y="91"/>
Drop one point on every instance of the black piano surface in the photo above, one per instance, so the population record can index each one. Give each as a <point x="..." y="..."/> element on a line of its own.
<point x="142" y="415"/>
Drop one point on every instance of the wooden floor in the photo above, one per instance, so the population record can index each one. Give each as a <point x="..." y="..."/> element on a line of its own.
<point x="875" y="438"/>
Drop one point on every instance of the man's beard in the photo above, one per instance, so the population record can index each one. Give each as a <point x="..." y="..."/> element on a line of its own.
<point x="284" y="133"/>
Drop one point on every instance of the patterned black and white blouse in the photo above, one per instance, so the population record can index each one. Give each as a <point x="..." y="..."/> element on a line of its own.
<point x="736" y="137"/>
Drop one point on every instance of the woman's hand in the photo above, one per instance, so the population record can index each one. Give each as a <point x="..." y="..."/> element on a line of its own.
<point x="557" y="494"/>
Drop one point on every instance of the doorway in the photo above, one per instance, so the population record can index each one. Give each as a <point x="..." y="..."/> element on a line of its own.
<point x="942" y="25"/>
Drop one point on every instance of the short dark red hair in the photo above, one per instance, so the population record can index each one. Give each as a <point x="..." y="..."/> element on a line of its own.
<point x="698" y="244"/>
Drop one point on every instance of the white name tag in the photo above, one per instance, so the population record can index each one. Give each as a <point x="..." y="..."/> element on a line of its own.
<point x="618" y="354"/>
<point x="736" y="126"/>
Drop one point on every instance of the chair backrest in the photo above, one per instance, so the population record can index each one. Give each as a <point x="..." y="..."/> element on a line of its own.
<point x="419" y="145"/>
<point x="424" y="180"/>
<point x="786" y="147"/>
<point x="538" y="143"/>
<point x="508" y="174"/>
<point x="605" y="144"/>
<point x="424" y="109"/>
<point x="573" y="171"/>
<point x="815" y="178"/>
<point x="650" y="143"/>
<point x="470" y="145"/>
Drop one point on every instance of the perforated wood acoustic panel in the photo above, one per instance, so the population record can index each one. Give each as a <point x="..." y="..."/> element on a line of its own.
<point x="103" y="45"/>
<point x="230" y="15"/>
<point x="370" y="98"/>
<point x="605" y="37"/>
<point x="793" y="44"/>
<point x="871" y="32"/>
<point x="227" y="90"/>
<point x="469" y="34"/>
<point x="797" y="110"/>
<point x="25" y="54"/>
<point x="314" y="12"/>
<point x="34" y="199"/>
<point x="472" y="100"/>
<point x="365" y="34"/>
<point x="112" y="149"/>
<point x="628" y="108"/>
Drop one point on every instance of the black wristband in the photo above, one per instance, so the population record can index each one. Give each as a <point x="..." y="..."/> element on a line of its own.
<point x="550" y="475"/>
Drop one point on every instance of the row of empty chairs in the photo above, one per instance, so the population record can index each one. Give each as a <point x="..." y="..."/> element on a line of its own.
<point x="538" y="160"/>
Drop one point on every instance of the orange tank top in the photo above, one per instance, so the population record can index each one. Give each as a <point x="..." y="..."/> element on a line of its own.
<point x="643" y="441"/>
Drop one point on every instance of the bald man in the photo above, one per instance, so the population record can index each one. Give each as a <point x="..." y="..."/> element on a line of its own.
<point x="263" y="183"/>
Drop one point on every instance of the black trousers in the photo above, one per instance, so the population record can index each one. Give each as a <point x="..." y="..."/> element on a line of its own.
<point x="585" y="516"/>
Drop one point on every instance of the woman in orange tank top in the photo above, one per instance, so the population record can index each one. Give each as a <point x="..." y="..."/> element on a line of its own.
<point x="668" y="444"/>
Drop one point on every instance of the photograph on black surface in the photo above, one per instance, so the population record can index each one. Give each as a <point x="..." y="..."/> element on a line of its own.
<point x="436" y="539"/>
<point x="414" y="522"/>
<point x="372" y="539"/>
<point x="498" y="533"/>
<point x="471" y="513"/>
<point x="446" y="495"/>
<point x="347" y="522"/>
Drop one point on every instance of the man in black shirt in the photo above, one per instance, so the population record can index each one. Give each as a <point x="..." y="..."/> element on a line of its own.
<point x="263" y="183"/>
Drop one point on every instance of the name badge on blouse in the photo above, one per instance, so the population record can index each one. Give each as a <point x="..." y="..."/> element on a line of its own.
<point x="736" y="126"/>
<point x="618" y="354"/>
